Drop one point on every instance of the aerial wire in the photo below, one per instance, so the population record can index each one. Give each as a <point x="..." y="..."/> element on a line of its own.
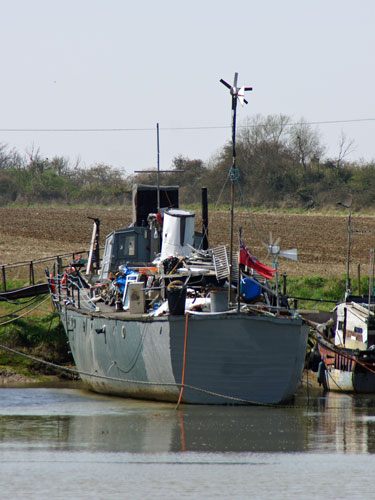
<point x="198" y="127"/>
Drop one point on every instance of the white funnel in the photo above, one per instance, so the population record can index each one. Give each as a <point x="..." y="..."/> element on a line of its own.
<point x="178" y="233"/>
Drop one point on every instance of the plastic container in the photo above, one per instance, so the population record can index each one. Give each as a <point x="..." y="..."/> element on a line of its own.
<point x="219" y="300"/>
<point x="250" y="289"/>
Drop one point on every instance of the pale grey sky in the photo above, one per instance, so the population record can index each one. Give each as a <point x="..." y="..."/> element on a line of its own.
<point x="90" y="64"/>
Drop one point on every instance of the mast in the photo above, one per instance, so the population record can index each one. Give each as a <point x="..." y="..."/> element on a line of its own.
<point x="236" y="93"/>
<point x="157" y="170"/>
<point x="158" y="167"/>
<point x="348" y="285"/>
<point x="347" y="203"/>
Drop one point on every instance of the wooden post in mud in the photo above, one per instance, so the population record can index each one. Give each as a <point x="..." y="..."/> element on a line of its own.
<point x="359" y="277"/>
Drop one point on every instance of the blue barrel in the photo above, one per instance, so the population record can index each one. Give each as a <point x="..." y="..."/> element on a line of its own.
<point x="250" y="289"/>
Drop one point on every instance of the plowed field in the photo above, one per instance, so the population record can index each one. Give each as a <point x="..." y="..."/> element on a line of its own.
<point x="321" y="240"/>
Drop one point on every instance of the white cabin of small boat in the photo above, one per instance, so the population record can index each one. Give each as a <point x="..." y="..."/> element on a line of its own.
<point x="355" y="328"/>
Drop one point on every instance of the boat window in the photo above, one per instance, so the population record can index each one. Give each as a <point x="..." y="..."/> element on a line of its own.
<point x="341" y="325"/>
<point x="357" y="329"/>
<point x="126" y="245"/>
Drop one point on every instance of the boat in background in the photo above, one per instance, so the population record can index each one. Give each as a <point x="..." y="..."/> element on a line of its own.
<point x="345" y="352"/>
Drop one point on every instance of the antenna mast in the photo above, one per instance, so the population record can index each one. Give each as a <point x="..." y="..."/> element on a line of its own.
<point x="157" y="170"/>
<point x="236" y="93"/>
<point x="158" y="167"/>
<point x="347" y="203"/>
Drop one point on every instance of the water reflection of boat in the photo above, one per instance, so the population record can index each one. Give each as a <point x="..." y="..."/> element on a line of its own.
<point x="208" y="429"/>
<point x="342" y="424"/>
<point x="218" y="430"/>
<point x="242" y="430"/>
<point x="40" y="419"/>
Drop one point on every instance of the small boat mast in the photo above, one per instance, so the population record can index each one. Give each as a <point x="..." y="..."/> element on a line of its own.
<point x="157" y="170"/>
<point x="347" y="203"/>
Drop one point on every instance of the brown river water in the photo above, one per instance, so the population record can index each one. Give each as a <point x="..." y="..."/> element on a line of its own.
<point x="66" y="443"/>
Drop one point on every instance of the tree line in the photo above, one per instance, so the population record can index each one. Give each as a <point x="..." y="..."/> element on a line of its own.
<point x="278" y="165"/>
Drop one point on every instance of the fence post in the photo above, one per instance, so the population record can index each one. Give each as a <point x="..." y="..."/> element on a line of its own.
<point x="31" y="274"/>
<point x="59" y="266"/>
<point x="4" y="278"/>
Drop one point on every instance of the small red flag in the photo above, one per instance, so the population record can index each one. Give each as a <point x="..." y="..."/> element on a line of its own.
<point x="246" y="259"/>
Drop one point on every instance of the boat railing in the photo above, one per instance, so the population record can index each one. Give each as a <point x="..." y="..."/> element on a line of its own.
<point x="70" y="289"/>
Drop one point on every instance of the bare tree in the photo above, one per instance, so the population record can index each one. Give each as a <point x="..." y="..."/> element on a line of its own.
<point x="305" y="142"/>
<point x="260" y="129"/>
<point x="346" y="147"/>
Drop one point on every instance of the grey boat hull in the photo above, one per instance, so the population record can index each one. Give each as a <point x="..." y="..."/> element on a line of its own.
<point x="230" y="358"/>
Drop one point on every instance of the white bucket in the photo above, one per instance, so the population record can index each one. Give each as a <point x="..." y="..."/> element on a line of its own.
<point x="219" y="300"/>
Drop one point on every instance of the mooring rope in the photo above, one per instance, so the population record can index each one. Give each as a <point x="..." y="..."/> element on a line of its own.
<point x="25" y="313"/>
<point x="140" y="382"/>
<point x="24" y="306"/>
<point x="231" y="399"/>
<point x="18" y="301"/>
